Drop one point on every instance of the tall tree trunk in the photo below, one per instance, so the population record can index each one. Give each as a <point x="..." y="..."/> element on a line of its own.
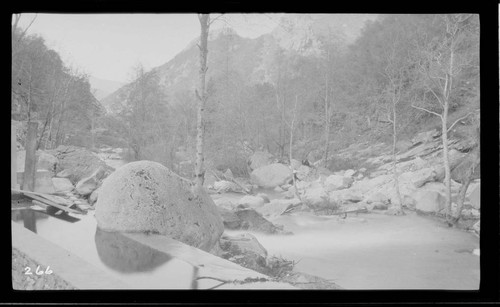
<point x="394" y="158"/>
<point x="291" y="147"/>
<point x="327" y="124"/>
<point x="446" y="161"/>
<point x="202" y="98"/>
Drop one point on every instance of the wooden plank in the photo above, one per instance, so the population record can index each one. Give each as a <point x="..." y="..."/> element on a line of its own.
<point x="49" y="202"/>
<point x="53" y="198"/>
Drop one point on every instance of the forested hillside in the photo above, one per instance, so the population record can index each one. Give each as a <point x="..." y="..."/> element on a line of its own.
<point x="340" y="76"/>
<point x="46" y="90"/>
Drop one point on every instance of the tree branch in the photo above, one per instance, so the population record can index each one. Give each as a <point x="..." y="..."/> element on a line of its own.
<point x="428" y="111"/>
<point x="461" y="118"/>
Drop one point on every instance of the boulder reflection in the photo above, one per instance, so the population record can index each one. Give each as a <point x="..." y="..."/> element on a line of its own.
<point x="126" y="255"/>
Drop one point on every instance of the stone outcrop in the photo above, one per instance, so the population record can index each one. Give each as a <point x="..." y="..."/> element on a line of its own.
<point x="271" y="176"/>
<point x="62" y="185"/>
<point x="87" y="185"/>
<point x="145" y="196"/>
<point x="77" y="163"/>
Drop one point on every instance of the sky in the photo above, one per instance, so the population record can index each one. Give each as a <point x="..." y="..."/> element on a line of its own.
<point x="108" y="46"/>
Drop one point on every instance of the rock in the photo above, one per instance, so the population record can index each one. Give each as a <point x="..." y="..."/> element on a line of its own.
<point x="209" y="181"/>
<point x="264" y="197"/>
<point x="470" y="214"/>
<point x="378" y="198"/>
<point x="379" y="206"/>
<point x="229" y="218"/>
<point x="249" y="201"/>
<point x="337" y="182"/>
<point x="403" y="145"/>
<point x="93" y="197"/>
<point x="276" y="207"/>
<point x="303" y="172"/>
<point x="254" y="221"/>
<point x="475" y="251"/>
<point x="317" y="198"/>
<point x="271" y="176"/>
<point x="260" y="159"/>
<point x="429" y="201"/>
<point x="295" y="164"/>
<point x="349" y="173"/>
<point x="409" y="202"/>
<point x="145" y="196"/>
<point x="359" y="177"/>
<point x="228" y="174"/>
<point x="46" y="161"/>
<point x="278" y="189"/>
<point x="475" y="197"/>
<point x="362" y="170"/>
<point x="346" y="195"/>
<point x="87" y="185"/>
<point x="245" y="250"/>
<point x="62" y="185"/>
<point x="419" y="177"/>
<point x="455" y="158"/>
<point x="79" y="162"/>
<point x="477" y="227"/>
<point x="64" y="173"/>
<point x="225" y="202"/>
<point x="224" y="186"/>
<point x="460" y="171"/>
<point x="394" y="210"/>
<point x="425" y="137"/>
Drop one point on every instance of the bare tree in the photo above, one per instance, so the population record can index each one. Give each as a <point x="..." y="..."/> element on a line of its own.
<point x="202" y="96"/>
<point x="440" y="65"/>
<point x="394" y="72"/>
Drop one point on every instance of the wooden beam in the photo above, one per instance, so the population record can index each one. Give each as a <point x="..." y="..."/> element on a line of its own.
<point x="40" y="197"/>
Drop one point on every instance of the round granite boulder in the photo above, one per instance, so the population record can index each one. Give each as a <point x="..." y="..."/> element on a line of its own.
<point x="145" y="196"/>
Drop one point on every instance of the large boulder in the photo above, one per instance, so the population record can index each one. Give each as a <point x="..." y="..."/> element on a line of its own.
<point x="87" y="185"/>
<point x="260" y="159"/>
<point x="250" y="201"/>
<point x="461" y="170"/>
<point x="419" y="177"/>
<point x="429" y="201"/>
<point x="77" y="163"/>
<point x="145" y="196"/>
<point x="245" y="250"/>
<point x="276" y="207"/>
<point x="475" y="196"/>
<point x="425" y="137"/>
<point x="317" y="197"/>
<point x="93" y="197"/>
<point x="224" y="186"/>
<point x="229" y="218"/>
<point x="254" y="221"/>
<point x="271" y="176"/>
<point x="337" y="182"/>
<point x="62" y="185"/>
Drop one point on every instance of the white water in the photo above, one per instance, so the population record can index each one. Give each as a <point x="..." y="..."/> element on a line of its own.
<point x="375" y="251"/>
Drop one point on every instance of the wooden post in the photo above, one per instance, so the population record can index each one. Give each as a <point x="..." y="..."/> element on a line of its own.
<point x="30" y="162"/>
<point x="13" y="158"/>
